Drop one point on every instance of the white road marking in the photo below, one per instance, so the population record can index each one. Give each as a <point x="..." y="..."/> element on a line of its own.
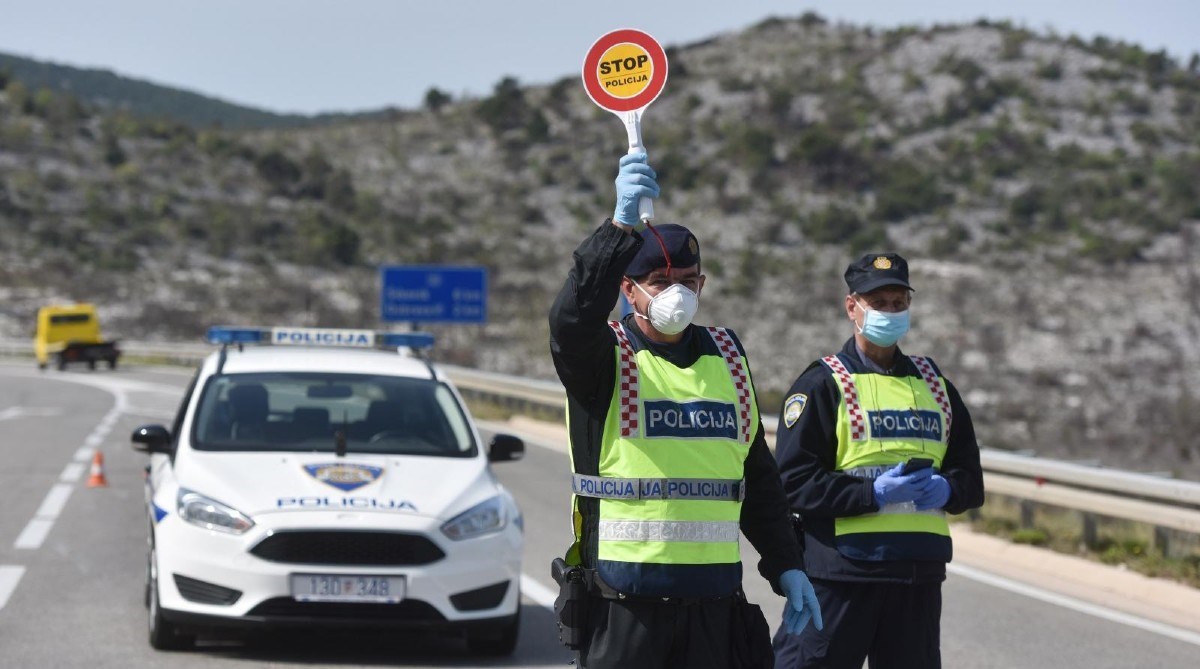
<point x="84" y="453"/>
<point x="9" y="576"/>
<point x="54" y="502"/>
<point x="539" y="593"/>
<point x="19" y="412"/>
<point x="34" y="534"/>
<point x="1176" y="633"/>
<point x="72" y="472"/>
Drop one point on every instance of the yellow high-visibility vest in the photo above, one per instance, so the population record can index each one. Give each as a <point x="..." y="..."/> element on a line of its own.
<point x="670" y="476"/>
<point x="885" y="420"/>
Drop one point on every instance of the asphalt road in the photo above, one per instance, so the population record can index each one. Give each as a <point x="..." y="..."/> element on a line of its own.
<point x="72" y="558"/>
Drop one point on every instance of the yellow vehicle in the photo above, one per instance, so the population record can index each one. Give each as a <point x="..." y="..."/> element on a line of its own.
<point x="71" y="333"/>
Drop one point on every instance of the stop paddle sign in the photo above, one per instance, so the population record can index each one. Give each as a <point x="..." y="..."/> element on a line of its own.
<point x="624" y="72"/>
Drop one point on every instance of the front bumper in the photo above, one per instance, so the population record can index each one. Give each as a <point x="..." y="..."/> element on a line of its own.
<point x="457" y="590"/>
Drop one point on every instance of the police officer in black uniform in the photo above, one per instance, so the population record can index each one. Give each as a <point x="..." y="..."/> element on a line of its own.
<point x="875" y="447"/>
<point x="667" y="594"/>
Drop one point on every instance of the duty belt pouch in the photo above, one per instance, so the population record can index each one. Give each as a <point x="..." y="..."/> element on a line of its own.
<point x="751" y="636"/>
<point x="570" y="607"/>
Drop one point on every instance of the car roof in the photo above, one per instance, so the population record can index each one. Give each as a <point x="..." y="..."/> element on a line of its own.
<point x="253" y="359"/>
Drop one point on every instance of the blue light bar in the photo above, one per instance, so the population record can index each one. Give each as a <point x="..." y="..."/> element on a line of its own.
<point x="409" y="339"/>
<point x="325" y="337"/>
<point x="220" y="334"/>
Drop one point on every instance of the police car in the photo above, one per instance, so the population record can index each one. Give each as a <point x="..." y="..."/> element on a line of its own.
<point x="310" y="479"/>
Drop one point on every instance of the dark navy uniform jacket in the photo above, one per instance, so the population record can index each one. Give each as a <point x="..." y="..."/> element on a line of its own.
<point x="806" y="453"/>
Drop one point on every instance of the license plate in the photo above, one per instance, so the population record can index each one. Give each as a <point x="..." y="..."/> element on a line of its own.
<point x="347" y="588"/>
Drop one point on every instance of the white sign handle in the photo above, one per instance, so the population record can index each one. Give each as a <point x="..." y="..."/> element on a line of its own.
<point x="633" y="129"/>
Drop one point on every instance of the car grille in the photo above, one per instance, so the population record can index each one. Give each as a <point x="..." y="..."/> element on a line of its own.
<point x="412" y="610"/>
<point x="348" y="548"/>
<point x="202" y="592"/>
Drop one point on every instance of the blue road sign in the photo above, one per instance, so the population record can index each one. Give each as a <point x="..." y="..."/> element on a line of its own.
<point x="433" y="293"/>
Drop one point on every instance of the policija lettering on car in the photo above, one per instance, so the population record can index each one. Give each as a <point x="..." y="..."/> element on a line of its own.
<point x="345" y="503"/>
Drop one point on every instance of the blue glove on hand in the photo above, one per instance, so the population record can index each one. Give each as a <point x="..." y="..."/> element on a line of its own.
<point x="893" y="486"/>
<point x="635" y="180"/>
<point x="934" y="494"/>
<point x="802" y="604"/>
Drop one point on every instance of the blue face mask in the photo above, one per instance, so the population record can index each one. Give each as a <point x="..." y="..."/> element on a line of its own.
<point x="883" y="328"/>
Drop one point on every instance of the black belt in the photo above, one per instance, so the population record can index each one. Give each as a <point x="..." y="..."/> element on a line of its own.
<point x="597" y="587"/>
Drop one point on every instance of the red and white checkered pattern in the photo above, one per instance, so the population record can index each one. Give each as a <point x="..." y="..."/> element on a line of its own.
<point x="858" y="424"/>
<point x="627" y="384"/>
<point x="737" y="372"/>
<point x="925" y="367"/>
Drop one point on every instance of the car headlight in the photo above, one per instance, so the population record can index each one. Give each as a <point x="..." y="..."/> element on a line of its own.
<point x="487" y="516"/>
<point x="211" y="514"/>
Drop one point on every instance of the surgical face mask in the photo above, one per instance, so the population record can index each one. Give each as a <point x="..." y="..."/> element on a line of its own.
<point x="882" y="328"/>
<point x="671" y="310"/>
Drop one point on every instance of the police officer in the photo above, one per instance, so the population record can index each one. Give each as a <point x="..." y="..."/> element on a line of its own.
<point x="668" y="455"/>
<point x="875" y="447"/>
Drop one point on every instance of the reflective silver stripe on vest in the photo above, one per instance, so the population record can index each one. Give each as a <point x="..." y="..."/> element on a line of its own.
<point x="695" y="531"/>
<point x="604" y="487"/>
<point x="875" y="471"/>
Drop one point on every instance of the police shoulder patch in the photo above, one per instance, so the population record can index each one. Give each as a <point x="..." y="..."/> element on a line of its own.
<point x="793" y="406"/>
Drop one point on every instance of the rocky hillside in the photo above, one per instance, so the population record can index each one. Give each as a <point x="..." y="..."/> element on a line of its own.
<point x="1045" y="190"/>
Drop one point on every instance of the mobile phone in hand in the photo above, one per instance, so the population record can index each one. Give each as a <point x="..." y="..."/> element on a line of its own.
<point x="916" y="464"/>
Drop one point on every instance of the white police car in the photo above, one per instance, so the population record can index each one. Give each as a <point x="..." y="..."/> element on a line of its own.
<point x="319" y="485"/>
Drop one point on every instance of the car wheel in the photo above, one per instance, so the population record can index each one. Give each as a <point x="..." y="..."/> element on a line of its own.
<point x="163" y="634"/>
<point x="496" y="641"/>
<point x="62" y="362"/>
<point x="112" y="363"/>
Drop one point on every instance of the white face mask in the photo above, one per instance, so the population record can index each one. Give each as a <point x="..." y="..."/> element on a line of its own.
<point x="672" y="310"/>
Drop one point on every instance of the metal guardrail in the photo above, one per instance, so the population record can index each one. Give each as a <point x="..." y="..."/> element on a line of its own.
<point x="1162" y="502"/>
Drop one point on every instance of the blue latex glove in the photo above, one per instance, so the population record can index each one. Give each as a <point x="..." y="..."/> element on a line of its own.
<point x="802" y="604"/>
<point x="635" y="180"/>
<point x="934" y="494"/>
<point x="894" y="486"/>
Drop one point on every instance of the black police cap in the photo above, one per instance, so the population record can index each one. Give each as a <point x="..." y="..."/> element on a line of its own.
<point x="679" y="242"/>
<point x="876" y="270"/>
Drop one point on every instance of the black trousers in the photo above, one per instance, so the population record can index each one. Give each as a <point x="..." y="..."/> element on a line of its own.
<point x="627" y="634"/>
<point x="893" y="625"/>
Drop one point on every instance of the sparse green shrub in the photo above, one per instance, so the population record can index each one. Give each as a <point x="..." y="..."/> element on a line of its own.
<point x="822" y="146"/>
<point x="537" y="128"/>
<point x="949" y="240"/>
<point x="435" y="99"/>
<point x="1051" y="71"/>
<point x="278" y="170"/>
<point x="1132" y="102"/>
<point x="905" y="190"/>
<point x="1013" y="45"/>
<point x="810" y="18"/>
<point x="113" y="154"/>
<point x="1145" y="134"/>
<point x="1032" y="536"/>
<point x="506" y="108"/>
<point x="752" y="147"/>
<point x="832" y="225"/>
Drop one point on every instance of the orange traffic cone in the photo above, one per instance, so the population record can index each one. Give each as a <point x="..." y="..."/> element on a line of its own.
<point x="97" y="480"/>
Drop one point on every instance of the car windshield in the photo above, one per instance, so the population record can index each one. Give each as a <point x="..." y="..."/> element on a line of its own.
<point x="306" y="411"/>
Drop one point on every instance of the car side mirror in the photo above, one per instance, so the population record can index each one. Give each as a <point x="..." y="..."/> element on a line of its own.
<point x="505" y="447"/>
<point x="151" y="439"/>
